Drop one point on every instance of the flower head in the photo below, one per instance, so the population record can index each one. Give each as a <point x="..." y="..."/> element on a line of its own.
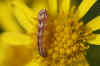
<point x="65" y="36"/>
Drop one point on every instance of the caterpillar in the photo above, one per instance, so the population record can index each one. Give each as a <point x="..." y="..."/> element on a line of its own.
<point x="42" y="19"/>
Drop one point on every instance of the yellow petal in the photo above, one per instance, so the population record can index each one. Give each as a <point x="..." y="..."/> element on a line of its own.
<point x="94" y="24"/>
<point x="23" y="7"/>
<point x="34" y="63"/>
<point x="52" y="7"/>
<point x="2" y="54"/>
<point x="37" y="5"/>
<point x="65" y="6"/>
<point x="16" y="0"/>
<point x="14" y="38"/>
<point x="96" y="40"/>
<point x="7" y="19"/>
<point x="85" y="6"/>
<point x="24" y="16"/>
<point x="15" y="55"/>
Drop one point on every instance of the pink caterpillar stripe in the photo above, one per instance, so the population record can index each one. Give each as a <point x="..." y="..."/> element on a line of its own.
<point x="42" y="18"/>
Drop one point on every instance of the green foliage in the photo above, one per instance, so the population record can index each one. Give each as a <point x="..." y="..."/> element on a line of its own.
<point x="93" y="54"/>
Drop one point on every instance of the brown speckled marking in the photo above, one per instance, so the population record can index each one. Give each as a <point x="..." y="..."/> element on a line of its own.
<point x="42" y="18"/>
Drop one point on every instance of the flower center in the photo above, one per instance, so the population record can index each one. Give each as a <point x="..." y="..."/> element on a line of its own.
<point x="64" y="39"/>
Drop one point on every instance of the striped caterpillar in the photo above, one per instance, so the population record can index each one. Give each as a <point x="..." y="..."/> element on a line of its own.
<point x="42" y="19"/>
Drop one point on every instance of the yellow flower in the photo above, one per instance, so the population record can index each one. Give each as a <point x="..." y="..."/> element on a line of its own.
<point x="6" y="17"/>
<point x="65" y="37"/>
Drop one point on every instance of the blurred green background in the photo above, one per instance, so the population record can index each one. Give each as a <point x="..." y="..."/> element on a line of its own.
<point x="93" y="54"/>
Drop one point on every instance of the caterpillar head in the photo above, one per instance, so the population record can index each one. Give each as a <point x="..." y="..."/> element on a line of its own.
<point x="42" y="16"/>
